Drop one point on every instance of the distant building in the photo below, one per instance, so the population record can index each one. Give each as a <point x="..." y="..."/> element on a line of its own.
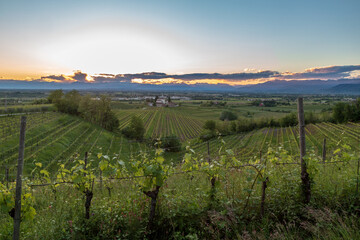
<point x="163" y="101"/>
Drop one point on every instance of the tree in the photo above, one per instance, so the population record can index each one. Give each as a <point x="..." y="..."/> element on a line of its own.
<point x="135" y="130"/>
<point x="69" y="103"/>
<point x="155" y="99"/>
<point x="171" y="144"/>
<point x="339" y="112"/>
<point x="55" y="96"/>
<point x="228" y="116"/>
<point x="210" y="125"/>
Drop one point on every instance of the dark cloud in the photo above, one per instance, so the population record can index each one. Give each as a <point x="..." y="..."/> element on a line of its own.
<point x="54" y="77"/>
<point x="184" y="77"/>
<point x="322" y="73"/>
<point x="79" y="76"/>
<point x="334" y="69"/>
<point x="105" y="75"/>
<point x="230" y="77"/>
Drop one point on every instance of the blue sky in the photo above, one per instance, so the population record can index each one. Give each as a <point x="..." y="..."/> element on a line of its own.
<point x="41" y="38"/>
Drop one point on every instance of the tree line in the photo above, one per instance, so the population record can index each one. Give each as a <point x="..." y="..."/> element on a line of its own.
<point x="212" y="128"/>
<point x="347" y="112"/>
<point x="94" y="110"/>
<point x="342" y="112"/>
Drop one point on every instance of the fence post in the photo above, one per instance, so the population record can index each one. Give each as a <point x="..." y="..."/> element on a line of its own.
<point x="305" y="178"/>
<point x="263" y="195"/>
<point x="357" y="172"/>
<point x="357" y="177"/>
<point x="86" y="158"/>
<point x="7" y="177"/>
<point x="101" y="181"/>
<point x="324" y="151"/>
<point x="17" y="215"/>
<point x="208" y="151"/>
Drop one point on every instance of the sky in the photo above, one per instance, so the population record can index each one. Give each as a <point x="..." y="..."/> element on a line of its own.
<point x="239" y="39"/>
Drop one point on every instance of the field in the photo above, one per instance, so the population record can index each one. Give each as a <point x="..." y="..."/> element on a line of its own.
<point x="247" y="145"/>
<point x="198" y="196"/>
<point x="243" y="108"/>
<point x="54" y="138"/>
<point x="161" y="122"/>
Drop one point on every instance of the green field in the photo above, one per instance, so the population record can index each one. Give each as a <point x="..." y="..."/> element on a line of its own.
<point x="189" y="205"/>
<point x="250" y="144"/>
<point x="160" y="122"/>
<point x="53" y="138"/>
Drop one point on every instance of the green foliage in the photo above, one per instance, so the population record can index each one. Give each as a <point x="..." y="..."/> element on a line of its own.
<point x="135" y="130"/>
<point x="228" y="116"/>
<point x="289" y="120"/>
<point x="344" y="112"/>
<point x="41" y="101"/>
<point x="207" y="135"/>
<point x="148" y="172"/>
<point x="7" y="201"/>
<point x="92" y="110"/>
<point x="210" y="125"/>
<point x="99" y="112"/>
<point x="170" y="144"/>
<point x="213" y="103"/>
<point x="55" y="96"/>
<point x="264" y="103"/>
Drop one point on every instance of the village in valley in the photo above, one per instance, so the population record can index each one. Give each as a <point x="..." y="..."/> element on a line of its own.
<point x="162" y="101"/>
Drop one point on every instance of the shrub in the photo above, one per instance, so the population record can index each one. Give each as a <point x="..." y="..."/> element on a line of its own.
<point x="228" y="116"/>
<point x="206" y="135"/>
<point x="135" y="130"/>
<point x="171" y="144"/>
<point x="210" y="125"/>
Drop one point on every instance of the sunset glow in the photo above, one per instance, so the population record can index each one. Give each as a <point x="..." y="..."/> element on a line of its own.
<point x="50" y="41"/>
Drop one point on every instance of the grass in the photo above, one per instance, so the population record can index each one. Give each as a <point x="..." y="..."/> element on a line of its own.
<point x="59" y="139"/>
<point x="183" y="211"/>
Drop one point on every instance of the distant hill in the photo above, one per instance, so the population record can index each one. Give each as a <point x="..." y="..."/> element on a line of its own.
<point x="341" y="86"/>
<point x="346" y="89"/>
<point x="303" y="87"/>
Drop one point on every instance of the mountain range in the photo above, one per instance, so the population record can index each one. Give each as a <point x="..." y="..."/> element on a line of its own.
<point x="341" y="86"/>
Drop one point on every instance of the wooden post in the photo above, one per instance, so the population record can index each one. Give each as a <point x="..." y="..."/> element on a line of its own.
<point x="263" y="195"/>
<point x="324" y="151"/>
<point x="86" y="158"/>
<point x="7" y="177"/>
<point x="208" y="151"/>
<point x="357" y="177"/>
<point x="101" y="181"/>
<point x="357" y="172"/>
<point x="17" y="215"/>
<point x="305" y="178"/>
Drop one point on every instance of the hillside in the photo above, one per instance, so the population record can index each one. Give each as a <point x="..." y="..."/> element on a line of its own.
<point x="54" y="138"/>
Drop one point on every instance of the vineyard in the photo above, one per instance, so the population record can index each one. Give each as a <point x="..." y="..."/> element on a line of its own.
<point x="210" y="190"/>
<point x="54" y="138"/>
<point x="250" y="144"/>
<point x="161" y="122"/>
